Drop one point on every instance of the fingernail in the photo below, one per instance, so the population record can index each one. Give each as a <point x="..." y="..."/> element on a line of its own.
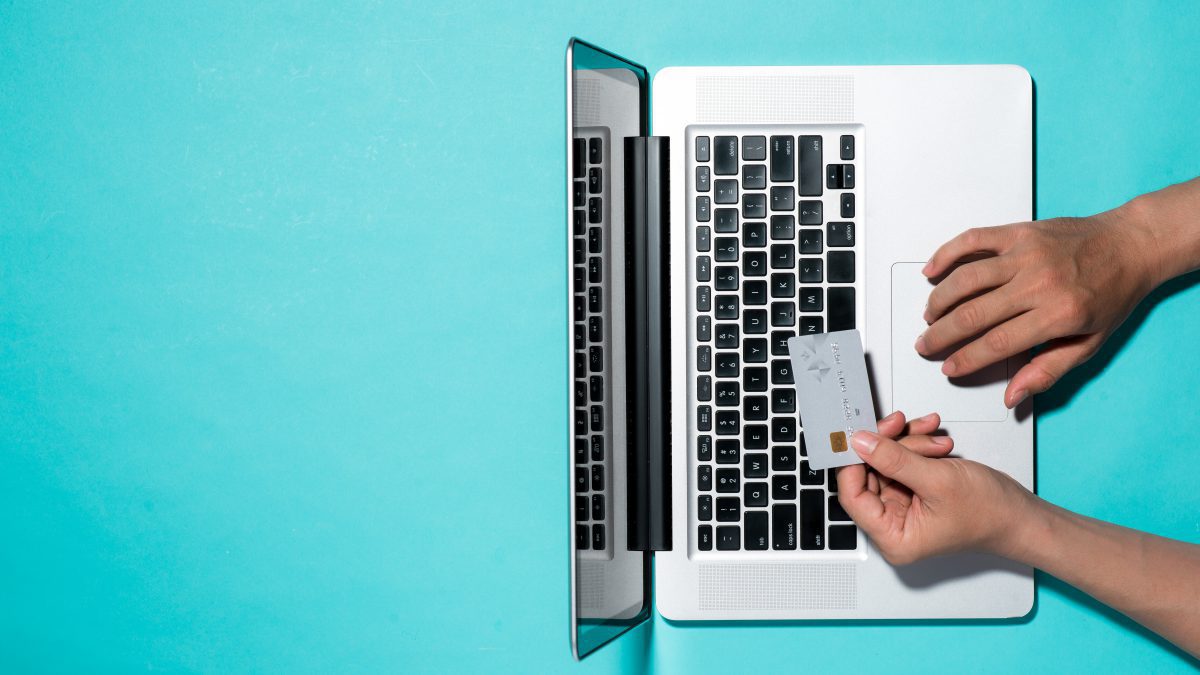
<point x="949" y="368"/>
<point x="893" y="414"/>
<point x="943" y="441"/>
<point x="864" y="442"/>
<point x="920" y="343"/>
<point x="926" y="269"/>
<point x="1018" y="396"/>
<point x="925" y="418"/>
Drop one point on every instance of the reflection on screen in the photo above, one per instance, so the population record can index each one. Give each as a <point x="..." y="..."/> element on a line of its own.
<point x="610" y="582"/>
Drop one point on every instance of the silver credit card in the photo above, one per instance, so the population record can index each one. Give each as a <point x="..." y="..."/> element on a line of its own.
<point x="833" y="395"/>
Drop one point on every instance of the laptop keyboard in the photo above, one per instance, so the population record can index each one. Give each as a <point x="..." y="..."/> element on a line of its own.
<point x="775" y="252"/>
<point x="592" y="438"/>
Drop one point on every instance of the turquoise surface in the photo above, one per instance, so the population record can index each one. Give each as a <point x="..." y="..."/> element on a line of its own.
<point x="281" y="328"/>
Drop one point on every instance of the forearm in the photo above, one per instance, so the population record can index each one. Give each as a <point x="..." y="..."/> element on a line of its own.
<point x="1153" y="580"/>
<point x="1164" y="227"/>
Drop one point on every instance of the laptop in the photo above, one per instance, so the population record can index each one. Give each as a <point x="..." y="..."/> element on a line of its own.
<point x="707" y="224"/>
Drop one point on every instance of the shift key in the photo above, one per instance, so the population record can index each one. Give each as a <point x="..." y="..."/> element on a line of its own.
<point x="783" y="527"/>
<point x="811" y="172"/>
<point x="812" y="519"/>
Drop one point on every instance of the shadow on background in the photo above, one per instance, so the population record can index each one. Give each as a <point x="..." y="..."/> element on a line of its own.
<point x="1061" y="394"/>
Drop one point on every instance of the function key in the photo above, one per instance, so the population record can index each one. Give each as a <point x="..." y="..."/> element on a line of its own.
<point x="704" y="418"/>
<point x="703" y="243"/>
<point x="704" y="448"/>
<point x="703" y="268"/>
<point x="595" y="179"/>
<point x="702" y="148"/>
<point x="594" y="210"/>
<point x="704" y="328"/>
<point x="704" y="478"/>
<point x="597" y="507"/>
<point x="703" y="209"/>
<point x="704" y="507"/>
<point x="598" y="537"/>
<point x="846" y="147"/>
<point x="725" y="155"/>
<point x="581" y="450"/>
<point x="598" y="478"/>
<point x="782" y="162"/>
<point x="580" y="192"/>
<point x="582" y="537"/>
<point x="702" y="178"/>
<point x="595" y="151"/>
<point x="597" y="448"/>
<point x="581" y="507"/>
<point x="595" y="329"/>
<point x="754" y="148"/>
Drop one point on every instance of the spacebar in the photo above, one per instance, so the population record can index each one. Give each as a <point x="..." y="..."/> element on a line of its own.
<point x="841" y="308"/>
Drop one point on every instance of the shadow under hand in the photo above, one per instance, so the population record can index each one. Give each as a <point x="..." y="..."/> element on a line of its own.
<point x="1073" y="382"/>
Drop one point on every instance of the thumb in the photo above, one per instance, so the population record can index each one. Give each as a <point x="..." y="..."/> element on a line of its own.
<point x="1049" y="365"/>
<point x="894" y="460"/>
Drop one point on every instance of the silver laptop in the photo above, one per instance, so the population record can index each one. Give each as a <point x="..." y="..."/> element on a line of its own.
<point x="707" y="224"/>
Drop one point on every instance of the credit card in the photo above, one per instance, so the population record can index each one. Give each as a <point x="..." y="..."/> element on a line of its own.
<point x="833" y="395"/>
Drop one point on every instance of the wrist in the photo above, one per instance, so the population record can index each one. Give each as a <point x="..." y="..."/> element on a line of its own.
<point x="1028" y="530"/>
<point x="1148" y="258"/>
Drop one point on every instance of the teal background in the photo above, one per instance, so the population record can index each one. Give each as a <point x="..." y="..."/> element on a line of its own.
<point x="282" y="345"/>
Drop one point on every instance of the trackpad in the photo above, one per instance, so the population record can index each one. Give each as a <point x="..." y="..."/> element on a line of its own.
<point x="918" y="385"/>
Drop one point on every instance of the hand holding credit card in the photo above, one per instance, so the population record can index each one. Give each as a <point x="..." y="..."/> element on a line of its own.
<point x="833" y="395"/>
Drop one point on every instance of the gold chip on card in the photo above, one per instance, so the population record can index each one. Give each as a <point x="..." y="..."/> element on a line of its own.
<point x="837" y="440"/>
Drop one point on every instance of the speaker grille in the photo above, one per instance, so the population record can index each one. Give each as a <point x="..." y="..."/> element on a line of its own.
<point x="774" y="99"/>
<point x="739" y="586"/>
<point x="591" y="584"/>
<point x="588" y="93"/>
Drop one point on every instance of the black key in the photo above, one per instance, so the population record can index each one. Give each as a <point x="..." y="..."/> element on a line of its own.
<point x="703" y="209"/>
<point x="727" y="249"/>
<point x="598" y="478"/>
<point x="840" y="234"/>
<point x="580" y="218"/>
<point x="811" y="476"/>
<point x="848" y="176"/>
<point x="810" y="241"/>
<point x="581" y="479"/>
<point x="755" y="350"/>
<point x="727" y="307"/>
<point x="779" y="340"/>
<point x="847" y="147"/>
<point x="754" y="321"/>
<point x="595" y="180"/>
<point x="812" y="519"/>
<point x="704" y="507"/>
<point x="583" y="537"/>
<point x="841" y="267"/>
<point x="704" y="538"/>
<point x="836" y="512"/>
<point x="703" y="358"/>
<point x="783" y="458"/>
<point x="755" y="494"/>
<point x="580" y="195"/>
<point x="783" y="487"/>
<point x="783" y="527"/>
<point x="755" y="408"/>
<point x="783" y="429"/>
<point x="702" y="148"/>
<point x="729" y="538"/>
<point x="580" y="305"/>
<point x="595" y="240"/>
<point x="811" y="212"/>
<point x="833" y="176"/>
<point x="578" y="252"/>
<point x="728" y="480"/>
<point x="704" y="418"/>
<point x="810" y="271"/>
<point x="596" y="358"/>
<point x="597" y="448"/>
<point x="704" y="328"/>
<point x="754" y="263"/>
<point x="594" y="299"/>
<point x="781" y="372"/>
<point x="756" y="436"/>
<point x="726" y="220"/>
<point x="703" y="268"/>
<point x="803" y="447"/>
<point x="831" y="483"/>
<point x="811" y="299"/>
<point x="581" y="507"/>
<point x="597" y="507"/>
<point x="848" y="205"/>
<point x="579" y="336"/>
<point x="704" y="478"/>
<point x="783" y="314"/>
<point x="783" y="198"/>
<point x="783" y="256"/>
<point x="727" y="278"/>
<point x="703" y="178"/>
<point x="596" y="385"/>
<point x="579" y="157"/>
<point x="756" y="530"/>
<point x="726" y="191"/>
<point x="811" y="325"/>
<point x="783" y="400"/>
<point x="754" y="235"/>
<point x="783" y="285"/>
<point x="594" y="211"/>
<point x="754" y="148"/>
<point x="703" y="239"/>
<point x="703" y="299"/>
<point x="783" y="227"/>
<point x="594" y="269"/>
<point x="729" y="451"/>
<point x="725" y="155"/>
<point x="581" y="422"/>
<point x="728" y="422"/>
<point x="580" y="363"/>
<point x="704" y="388"/>
<point x="704" y="448"/>
<point x="755" y="465"/>
<point x="843" y="537"/>
<point x="810" y="166"/>
<point x="595" y="329"/>
<point x="598" y="537"/>
<point x="755" y="379"/>
<point x="754" y="176"/>
<point x="781" y="159"/>
<point x="754" y="205"/>
<point x="756" y="292"/>
<point x="581" y="450"/>
<point x="728" y="393"/>
<point x="727" y="338"/>
<point x="727" y="364"/>
<point x="595" y="150"/>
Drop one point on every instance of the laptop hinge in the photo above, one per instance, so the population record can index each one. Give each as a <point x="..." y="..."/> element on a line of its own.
<point x="648" y="352"/>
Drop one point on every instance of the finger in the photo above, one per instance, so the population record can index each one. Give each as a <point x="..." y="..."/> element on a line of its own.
<point x="926" y="424"/>
<point x="862" y="505"/>
<point x="1049" y="366"/>
<point x="873" y="481"/>
<point x="895" y="461"/>
<point x="970" y="319"/>
<point x="892" y="425"/>
<point x="965" y="281"/>
<point x="974" y="240"/>
<point x="1011" y="337"/>
<point x="929" y="446"/>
